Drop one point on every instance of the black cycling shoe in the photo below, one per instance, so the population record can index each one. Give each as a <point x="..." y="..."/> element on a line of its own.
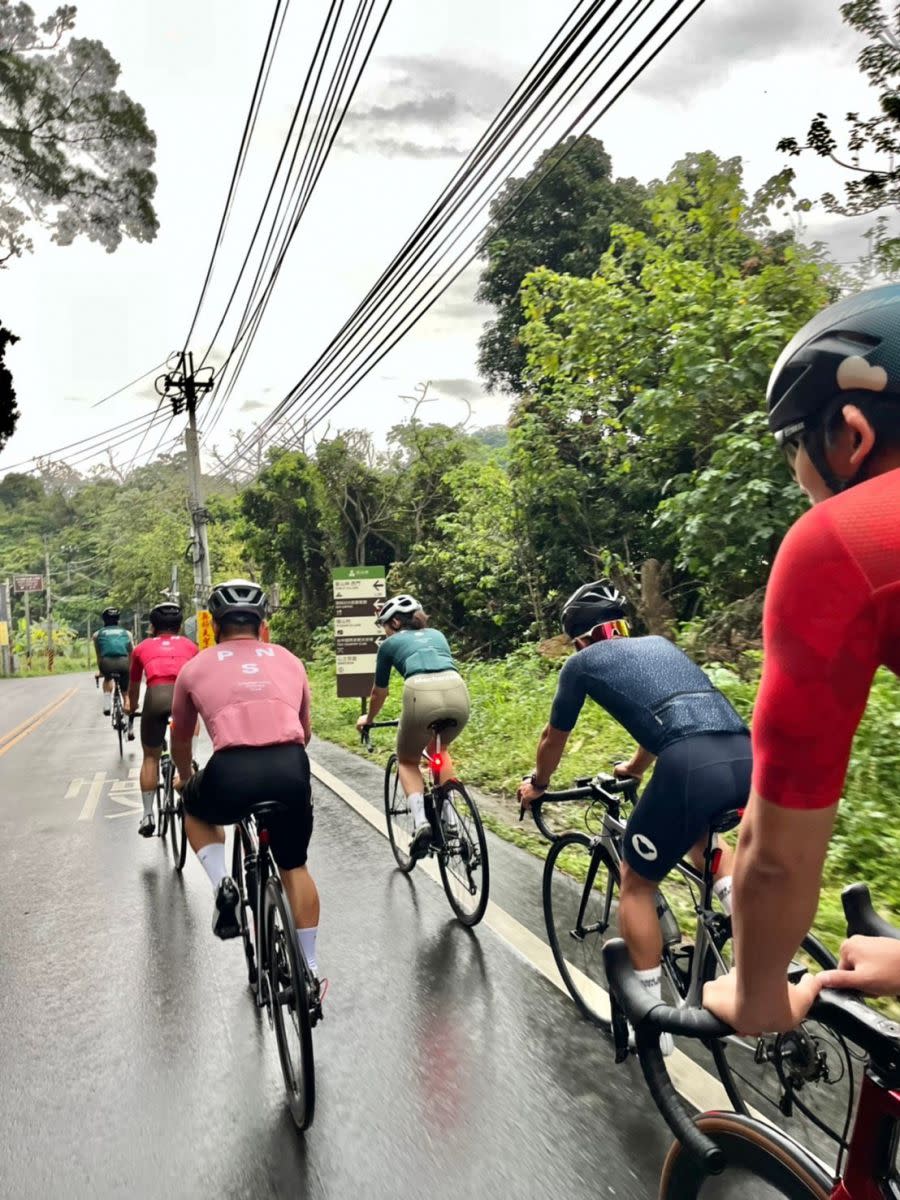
<point x="147" y="826"/>
<point x="225" y="923"/>
<point x="420" y="843"/>
<point x="130" y="734"/>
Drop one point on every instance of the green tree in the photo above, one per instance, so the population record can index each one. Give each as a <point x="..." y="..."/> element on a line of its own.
<point x="558" y="216"/>
<point x="640" y="373"/>
<point x="76" y="154"/>
<point x="870" y="157"/>
<point x="9" y="412"/>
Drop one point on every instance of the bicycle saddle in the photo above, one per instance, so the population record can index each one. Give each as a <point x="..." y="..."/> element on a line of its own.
<point x="268" y="808"/>
<point x="442" y="724"/>
<point x="727" y="820"/>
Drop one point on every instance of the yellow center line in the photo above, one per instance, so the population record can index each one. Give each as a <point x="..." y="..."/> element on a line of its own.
<point x="14" y="736"/>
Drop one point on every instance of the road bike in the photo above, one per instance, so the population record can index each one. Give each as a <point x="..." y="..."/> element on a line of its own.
<point x="457" y="834"/>
<point x="170" y="808"/>
<point x="277" y="971"/>
<point x="745" y="1151"/>
<point x="120" y="721"/>
<point x="775" y="1074"/>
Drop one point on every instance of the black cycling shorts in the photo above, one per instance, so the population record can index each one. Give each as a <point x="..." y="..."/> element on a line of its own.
<point x="694" y="782"/>
<point x="118" y="665"/>
<point x="234" y="780"/>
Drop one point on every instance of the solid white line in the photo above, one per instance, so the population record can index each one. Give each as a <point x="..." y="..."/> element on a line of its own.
<point x="697" y="1086"/>
<point x="93" y="797"/>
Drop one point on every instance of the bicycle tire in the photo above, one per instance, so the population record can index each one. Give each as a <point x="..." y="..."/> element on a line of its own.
<point x="563" y="897"/>
<point x="398" y="816"/>
<point x="288" y="997"/>
<point x="162" y="808"/>
<point x="247" y="906"/>
<point x="751" y="1148"/>
<point x="119" y="723"/>
<point x="759" y="1090"/>
<point x="463" y="861"/>
<point x="178" y="832"/>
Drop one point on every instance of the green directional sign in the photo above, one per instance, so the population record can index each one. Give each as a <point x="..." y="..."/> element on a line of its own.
<point x="358" y="573"/>
<point x="359" y="593"/>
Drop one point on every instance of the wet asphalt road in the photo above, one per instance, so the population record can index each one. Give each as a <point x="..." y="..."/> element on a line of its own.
<point x="133" y="1063"/>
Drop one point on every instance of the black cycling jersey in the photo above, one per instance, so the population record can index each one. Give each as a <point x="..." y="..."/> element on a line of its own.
<point x="651" y="688"/>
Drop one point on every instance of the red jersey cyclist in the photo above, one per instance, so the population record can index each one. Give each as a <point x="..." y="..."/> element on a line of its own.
<point x="160" y="658"/>
<point x="832" y="617"/>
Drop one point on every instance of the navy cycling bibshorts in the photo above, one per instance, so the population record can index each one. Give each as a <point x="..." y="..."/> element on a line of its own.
<point x="695" y="781"/>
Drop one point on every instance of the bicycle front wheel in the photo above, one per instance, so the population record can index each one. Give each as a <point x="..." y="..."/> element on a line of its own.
<point x="398" y="815"/>
<point x="778" y="1076"/>
<point x="761" y="1164"/>
<point x="289" y="1000"/>
<point x="581" y="905"/>
<point x="463" y="861"/>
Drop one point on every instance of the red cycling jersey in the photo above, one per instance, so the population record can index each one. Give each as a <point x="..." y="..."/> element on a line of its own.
<point x="161" y="658"/>
<point x="832" y="617"/>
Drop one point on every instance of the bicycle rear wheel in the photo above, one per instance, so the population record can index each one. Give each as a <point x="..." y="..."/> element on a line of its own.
<point x="761" y="1164"/>
<point x="247" y="891"/>
<point x="289" y="1000"/>
<point x="177" y="831"/>
<point x="119" y="723"/>
<point x="162" y="804"/>
<point x="463" y="862"/>
<point x="776" y="1076"/>
<point x="581" y="903"/>
<point x="398" y="814"/>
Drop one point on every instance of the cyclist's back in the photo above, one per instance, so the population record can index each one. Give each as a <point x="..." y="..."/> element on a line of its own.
<point x="840" y="562"/>
<point x="112" y="641"/>
<point x="649" y="686"/>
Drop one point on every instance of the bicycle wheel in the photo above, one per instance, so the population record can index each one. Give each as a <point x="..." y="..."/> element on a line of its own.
<point x="463" y="862"/>
<point x="288" y="996"/>
<point x="247" y="892"/>
<point x="119" y="723"/>
<point x="581" y="883"/>
<point x="162" y="805"/>
<point x="761" y="1163"/>
<point x="398" y="815"/>
<point x="778" y="1076"/>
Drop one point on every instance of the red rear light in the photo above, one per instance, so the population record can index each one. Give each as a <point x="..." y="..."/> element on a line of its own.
<point x="437" y="762"/>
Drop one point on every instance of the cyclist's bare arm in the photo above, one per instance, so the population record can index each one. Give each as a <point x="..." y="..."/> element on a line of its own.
<point x="777" y="874"/>
<point x="549" y="752"/>
<point x="637" y="764"/>
<point x="376" y="704"/>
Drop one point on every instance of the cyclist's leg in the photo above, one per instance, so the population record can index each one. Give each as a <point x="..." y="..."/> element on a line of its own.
<point x="412" y="738"/>
<point x="717" y="785"/>
<point x="107" y="668"/>
<point x="287" y="781"/>
<point x="154" y="722"/>
<point x="209" y="805"/>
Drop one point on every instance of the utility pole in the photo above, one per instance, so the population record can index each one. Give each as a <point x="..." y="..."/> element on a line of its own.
<point x="182" y="388"/>
<point x="28" y="629"/>
<point x="6" y="661"/>
<point x="50" y="654"/>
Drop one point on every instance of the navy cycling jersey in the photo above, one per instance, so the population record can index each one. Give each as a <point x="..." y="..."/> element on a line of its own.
<point x="651" y="688"/>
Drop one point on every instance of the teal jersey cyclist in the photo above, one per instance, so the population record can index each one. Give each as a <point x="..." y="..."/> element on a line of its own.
<point x="433" y="690"/>
<point x="113" y="647"/>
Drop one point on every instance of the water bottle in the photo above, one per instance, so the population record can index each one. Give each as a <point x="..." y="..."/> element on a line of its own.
<point x="667" y="922"/>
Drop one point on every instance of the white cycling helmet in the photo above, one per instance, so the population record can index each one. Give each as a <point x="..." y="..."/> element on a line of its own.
<point x="398" y="606"/>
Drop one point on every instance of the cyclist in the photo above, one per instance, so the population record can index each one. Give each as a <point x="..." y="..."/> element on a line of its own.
<point x="160" y="657"/>
<point x="433" y="690"/>
<point x="254" y="701"/>
<point x="700" y="745"/>
<point x="112" y="647"/>
<point x="831" y="618"/>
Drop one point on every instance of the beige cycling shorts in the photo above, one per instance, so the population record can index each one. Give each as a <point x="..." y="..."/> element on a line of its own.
<point x="427" y="698"/>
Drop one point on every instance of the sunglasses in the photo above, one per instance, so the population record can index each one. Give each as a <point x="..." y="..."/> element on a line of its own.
<point x="789" y="442"/>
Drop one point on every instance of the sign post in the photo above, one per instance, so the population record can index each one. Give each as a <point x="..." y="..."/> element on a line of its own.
<point x="359" y="593"/>
<point x="27" y="584"/>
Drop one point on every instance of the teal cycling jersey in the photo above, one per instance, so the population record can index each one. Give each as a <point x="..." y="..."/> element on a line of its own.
<point x="113" y="642"/>
<point x="413" y="652"/>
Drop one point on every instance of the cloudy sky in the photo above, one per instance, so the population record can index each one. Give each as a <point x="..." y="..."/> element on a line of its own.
<point x="738" y="77"/>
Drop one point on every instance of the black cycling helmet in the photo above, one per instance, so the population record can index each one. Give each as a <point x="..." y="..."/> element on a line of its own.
<point x="847" y="353"/>
<point x="166" y="613"/>
<point x="590" y="606"/>
<point x="110" y="616"/>
<point x="236" y="598"/>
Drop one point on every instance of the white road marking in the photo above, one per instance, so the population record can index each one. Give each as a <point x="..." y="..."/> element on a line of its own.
<point x="74" y="789"/>
<point x="699" y="1088"/>
<point x="93" y="797"/>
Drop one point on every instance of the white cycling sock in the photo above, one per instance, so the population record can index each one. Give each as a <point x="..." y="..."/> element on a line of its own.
<point x="212" y="858"/>
<point x="306" y="940"/>
<point x="417" y="808"/>
<point x="651" y="979"/>
<point x="722" y="892"/>
<point x="148" y="798"/>
<point x="106" y="698"/>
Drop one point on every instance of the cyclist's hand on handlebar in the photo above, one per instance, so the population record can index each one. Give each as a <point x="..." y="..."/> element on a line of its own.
<point x="867" y="964"/>
<point x="625" y="771"/>
<point x="363" y="722"/>
<point x="527" y="794"/>
<point x="721" y="997"/>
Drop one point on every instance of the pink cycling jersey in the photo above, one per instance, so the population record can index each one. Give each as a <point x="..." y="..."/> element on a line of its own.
<point x="248" y="694"/>
<point x="161" y="658"/>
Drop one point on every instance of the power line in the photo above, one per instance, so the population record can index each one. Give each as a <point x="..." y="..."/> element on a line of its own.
<point x="259" y="88"/>
<point x="137" y="423"/>
<point x="125" y="387"/>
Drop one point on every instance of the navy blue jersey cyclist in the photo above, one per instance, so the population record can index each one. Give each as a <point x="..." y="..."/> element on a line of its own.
<point x="699" y="744"/>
